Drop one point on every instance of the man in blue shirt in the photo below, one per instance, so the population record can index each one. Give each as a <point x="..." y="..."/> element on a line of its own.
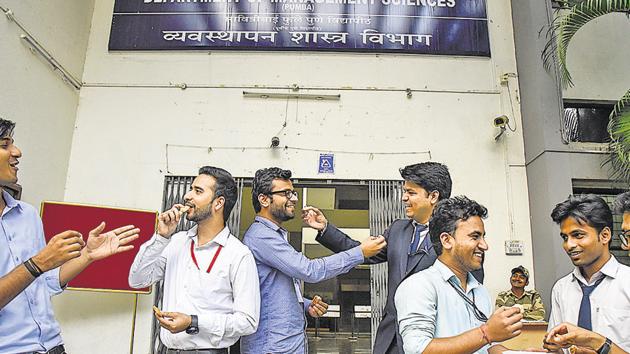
<point x="281" y="268"/>
<point x="31" y="271"/>
<point x="443" y="308"/>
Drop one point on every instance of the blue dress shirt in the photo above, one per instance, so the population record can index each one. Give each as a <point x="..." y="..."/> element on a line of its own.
<point x="428" y="307"/>
<point x="280" y="268"/>
<point x="27" y="323"/>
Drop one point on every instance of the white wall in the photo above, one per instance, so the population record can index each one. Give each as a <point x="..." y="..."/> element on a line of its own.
<point x="598" y="59"/>
<point x="119" y="157"/>
<point x="35" y="97"/>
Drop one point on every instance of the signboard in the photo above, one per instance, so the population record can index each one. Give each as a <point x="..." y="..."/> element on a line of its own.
<point x="326" y="163"/>
<point x="452" y="27"/>
<point x="513" y="247"/>
<point x="112" y="273"/>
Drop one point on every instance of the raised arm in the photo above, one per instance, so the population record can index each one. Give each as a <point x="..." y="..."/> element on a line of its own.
<point x="60" y="249"/>
<point x="505" y="323"/>
<point x="99" y="246"/>
<point x="417" y="317"/>
<point x="331" y="237"/>
<point x="566" y="335"/>
<point x="149" y="265"/>
<point x="274" y="251"/>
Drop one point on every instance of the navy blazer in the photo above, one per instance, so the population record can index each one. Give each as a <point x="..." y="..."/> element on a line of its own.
<point x="398" y="236"/>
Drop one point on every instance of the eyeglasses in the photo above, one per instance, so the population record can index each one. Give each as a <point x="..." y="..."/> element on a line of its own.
<point x="288" y="193"/>
<point x="623" y="237"/>
<point x="480" y="316"/>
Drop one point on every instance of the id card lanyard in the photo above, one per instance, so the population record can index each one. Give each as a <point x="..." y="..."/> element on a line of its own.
<point x="194" y="259"/>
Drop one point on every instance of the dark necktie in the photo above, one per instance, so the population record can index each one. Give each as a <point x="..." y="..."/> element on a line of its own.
<point x="584" y="316"/>
<point x="415" y="241"/>
<point x="426" y="243"/>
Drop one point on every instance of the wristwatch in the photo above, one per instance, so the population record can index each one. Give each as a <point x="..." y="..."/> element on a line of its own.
<point x="605" y="348"/>
<point x="194" y="325"/>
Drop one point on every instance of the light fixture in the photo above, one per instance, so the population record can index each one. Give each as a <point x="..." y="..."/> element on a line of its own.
<point x="308" y="96"/>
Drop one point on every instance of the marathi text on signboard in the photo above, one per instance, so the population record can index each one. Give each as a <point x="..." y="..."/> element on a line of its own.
<point x="453" y="27"/>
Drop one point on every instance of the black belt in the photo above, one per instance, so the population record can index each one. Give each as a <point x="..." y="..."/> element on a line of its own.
<point x="55" y="350"/>
<point x="164" y="350"/>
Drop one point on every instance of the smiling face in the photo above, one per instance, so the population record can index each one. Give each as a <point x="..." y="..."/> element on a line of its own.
<point x="9" y="155"/>
<point x="587" y="248"/>
<point x="518" y="280"/>
<point x="282" y="208"/>
<point x="468" y="244"/>
<point x="418" y="202"/>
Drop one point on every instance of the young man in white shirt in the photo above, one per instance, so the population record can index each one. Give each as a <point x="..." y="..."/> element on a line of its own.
<point x="595" y="295"/>
<point x="211" y="293"/>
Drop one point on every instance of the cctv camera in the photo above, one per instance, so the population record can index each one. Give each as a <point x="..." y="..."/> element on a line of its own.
<point x="501" y="121"/>
<point x="275" y="142"/>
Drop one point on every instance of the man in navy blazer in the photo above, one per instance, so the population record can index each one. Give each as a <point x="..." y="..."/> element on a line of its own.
<point x="408" y="249"/>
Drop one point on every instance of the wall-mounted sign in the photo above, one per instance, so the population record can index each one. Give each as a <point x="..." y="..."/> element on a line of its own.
<point x="453" y="27"/>
<point x="514" y="247"/>
<point x="326" y="163"/>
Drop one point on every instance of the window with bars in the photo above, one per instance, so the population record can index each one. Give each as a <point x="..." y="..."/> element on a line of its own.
<point x="586" y="122"/>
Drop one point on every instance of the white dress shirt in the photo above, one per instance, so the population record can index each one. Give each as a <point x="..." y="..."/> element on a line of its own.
<point x="610" y="301"/>
<point x="226" y="300"/>
<point x="428" y="307"/>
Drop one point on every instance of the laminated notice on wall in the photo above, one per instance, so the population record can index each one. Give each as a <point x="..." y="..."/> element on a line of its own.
<point x="326" y="163"/>
<point x="514" y="247"/>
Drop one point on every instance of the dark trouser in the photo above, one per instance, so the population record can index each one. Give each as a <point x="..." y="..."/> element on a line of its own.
<point x="164" y="350"/>
<point x="393" y="348"/>
<point x="55" y="350"/>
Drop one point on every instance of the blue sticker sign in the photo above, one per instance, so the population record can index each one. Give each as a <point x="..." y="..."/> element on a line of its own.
<point x="448" y="27"/>
<point x="326" y="163"/>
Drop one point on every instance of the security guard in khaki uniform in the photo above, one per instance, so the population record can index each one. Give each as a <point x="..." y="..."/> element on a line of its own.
<point x="529" y="300"/>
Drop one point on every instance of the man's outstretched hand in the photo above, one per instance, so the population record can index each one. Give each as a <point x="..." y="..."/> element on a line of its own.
<point x="102" y="245"/>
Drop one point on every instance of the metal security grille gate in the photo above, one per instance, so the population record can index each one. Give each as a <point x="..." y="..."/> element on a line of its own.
<point x="175" y="187"/>
<point x="385" y="207"/>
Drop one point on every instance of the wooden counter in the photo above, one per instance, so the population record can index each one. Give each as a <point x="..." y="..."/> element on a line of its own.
<point x="531" y="337"/>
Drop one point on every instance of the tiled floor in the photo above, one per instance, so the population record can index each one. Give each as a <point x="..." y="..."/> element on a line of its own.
<point x="338" y="344"/>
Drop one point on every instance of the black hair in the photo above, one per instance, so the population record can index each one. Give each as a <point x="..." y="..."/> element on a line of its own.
<point x="585" y="208"/>
<point x="448" y="213"/>
<point x="622" y="203"/>
<point x="224" y="186"/>
<point x="6" y="128"/>
<point x="263" y="182"/>
<point x="432" y="176"/>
